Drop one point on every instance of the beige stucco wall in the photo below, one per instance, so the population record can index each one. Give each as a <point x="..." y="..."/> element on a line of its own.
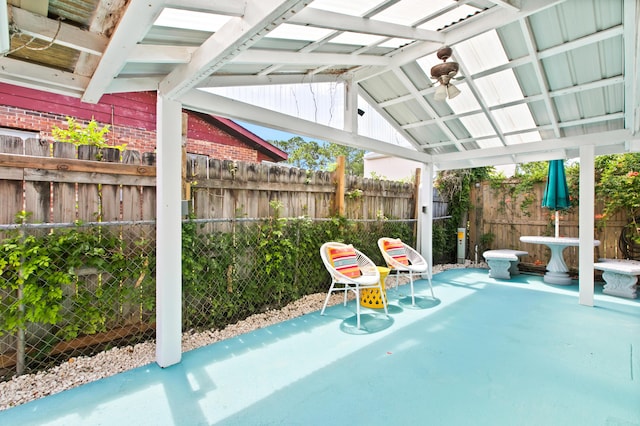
<point x="389" y="168"/>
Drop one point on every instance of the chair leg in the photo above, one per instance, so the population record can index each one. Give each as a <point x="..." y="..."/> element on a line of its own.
<point x="384" y="301"/>
<point x="413" y="295"/>
<point x="357" y="291"/>
<point x="326" y="300"/>
<point x="430" y="286"/>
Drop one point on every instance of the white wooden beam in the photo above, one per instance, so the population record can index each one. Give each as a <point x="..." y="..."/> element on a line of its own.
<point x="342" y="22"/>
<point x="238" y="34"/>
<point x="134" y="84"/>
<point x="265" y="80"/>
<point x="161" y="54"/>
<point x="443" y="161"/>
<point x="261" y="56"/>
<point x="38" y="77"/>
<point x="209" y="103"/>
<point x="135" y="23"/>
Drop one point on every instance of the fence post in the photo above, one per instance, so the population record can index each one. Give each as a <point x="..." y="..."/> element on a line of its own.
<point x="340" y="179"/>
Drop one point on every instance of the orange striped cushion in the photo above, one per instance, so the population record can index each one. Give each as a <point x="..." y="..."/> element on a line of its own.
<point x="395" y="249"/>
<point x="345" y="260"/>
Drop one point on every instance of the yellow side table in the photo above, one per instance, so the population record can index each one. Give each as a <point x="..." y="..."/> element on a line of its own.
<point x="370" y="297"/>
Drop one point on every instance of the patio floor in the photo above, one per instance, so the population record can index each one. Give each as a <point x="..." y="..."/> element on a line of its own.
<point x="488" y="352"/>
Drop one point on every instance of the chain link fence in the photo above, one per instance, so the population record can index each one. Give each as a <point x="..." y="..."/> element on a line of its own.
<point x="73" y="290"/>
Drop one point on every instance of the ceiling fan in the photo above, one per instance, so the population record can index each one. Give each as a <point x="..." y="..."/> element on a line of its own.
<point x="444" y="73"/>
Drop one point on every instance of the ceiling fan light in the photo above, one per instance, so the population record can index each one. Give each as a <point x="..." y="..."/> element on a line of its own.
<point x="441" y="93"/>
<point x="452" y="91"/>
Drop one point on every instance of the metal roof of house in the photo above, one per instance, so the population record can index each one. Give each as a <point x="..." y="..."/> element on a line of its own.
<point x="539" y="78"/>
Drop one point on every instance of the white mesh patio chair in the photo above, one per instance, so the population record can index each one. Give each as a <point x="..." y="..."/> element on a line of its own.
<point x="404" y="260"/>
<point x="350" y="270"/>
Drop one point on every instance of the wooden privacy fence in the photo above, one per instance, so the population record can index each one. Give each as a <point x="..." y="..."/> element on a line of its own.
<point x="228" y="189"/>
<point x="498" y="220"/>
<point x="57" y="183"/>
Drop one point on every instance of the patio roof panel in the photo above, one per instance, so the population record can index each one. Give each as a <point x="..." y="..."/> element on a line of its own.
<point x="407" y="112"/>
<point x="385" y="87"/>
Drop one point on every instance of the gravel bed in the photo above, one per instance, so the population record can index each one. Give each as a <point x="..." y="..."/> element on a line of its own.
<point x="77" y="371"/>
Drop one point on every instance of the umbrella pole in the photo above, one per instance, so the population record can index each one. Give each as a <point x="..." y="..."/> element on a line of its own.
<point x="557" y="223"/>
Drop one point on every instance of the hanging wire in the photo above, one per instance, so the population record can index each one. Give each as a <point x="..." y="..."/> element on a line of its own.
<point x="15" y="32"/>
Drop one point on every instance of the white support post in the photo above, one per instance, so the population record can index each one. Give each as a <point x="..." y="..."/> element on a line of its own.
<point x="425" y="217"/>
<point x="350" y="107"/>
<point x="586" y="224"/>
<point x="169" y="233"/>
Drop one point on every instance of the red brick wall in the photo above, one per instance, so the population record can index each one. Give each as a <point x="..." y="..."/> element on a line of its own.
<point x="131" y="118"/>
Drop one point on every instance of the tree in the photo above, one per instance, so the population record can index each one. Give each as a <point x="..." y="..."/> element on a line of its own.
<point x="619" y="185"/>
<point x="317" y="156"/>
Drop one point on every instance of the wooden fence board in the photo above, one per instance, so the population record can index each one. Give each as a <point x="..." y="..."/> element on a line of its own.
<point x="11" y="190"/>
<point x="37" y="195"/>
<point x="63" y="194"/>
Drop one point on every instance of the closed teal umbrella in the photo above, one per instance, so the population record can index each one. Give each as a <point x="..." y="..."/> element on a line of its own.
<point x="556" y="194"/>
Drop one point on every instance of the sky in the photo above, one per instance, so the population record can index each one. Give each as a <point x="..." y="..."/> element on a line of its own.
<point x="269" y="134"/>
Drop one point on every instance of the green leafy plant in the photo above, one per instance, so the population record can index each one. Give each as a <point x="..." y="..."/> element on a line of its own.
<point x="619" y="185"/>
<point x="91" y="134"/>
<point x="455" y="187"/>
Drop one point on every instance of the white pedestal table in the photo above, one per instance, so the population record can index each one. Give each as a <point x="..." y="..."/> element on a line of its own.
<point x="557" y="271"/>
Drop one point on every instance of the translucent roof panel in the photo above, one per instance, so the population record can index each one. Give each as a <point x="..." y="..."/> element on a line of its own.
<point x="407" y="12"/>
<point x="481" y="53"/>
<point x="499" y="88"/>
<point x="465" y="102"/>
<point x="489" y="143"/>
<point x="396" y="43"/>
<point x="478" y="125"/>
<point x="357" y="39"/>
<point x="191" y="20"/>
<point x="514" y="118"/>
<point x="298" y="32"/>
<point x="523" y="138"/>
<point x="450" y="17"/>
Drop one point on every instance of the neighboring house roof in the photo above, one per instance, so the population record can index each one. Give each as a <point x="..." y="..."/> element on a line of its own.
<point x="248" y="137"/>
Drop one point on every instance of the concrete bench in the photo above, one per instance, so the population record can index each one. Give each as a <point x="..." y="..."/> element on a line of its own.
<point x="503" y="263"/>
<point x="620" y="276"/>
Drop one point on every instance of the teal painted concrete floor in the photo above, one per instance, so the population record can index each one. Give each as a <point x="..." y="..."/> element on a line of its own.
<point x="486" y="352"/>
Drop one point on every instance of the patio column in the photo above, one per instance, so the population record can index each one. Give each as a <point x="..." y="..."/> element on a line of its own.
<point x="168" y="233"/>
<point x="586" y="224"/>
<point x="425" y="216"/>
<point x="351" y="107"/>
